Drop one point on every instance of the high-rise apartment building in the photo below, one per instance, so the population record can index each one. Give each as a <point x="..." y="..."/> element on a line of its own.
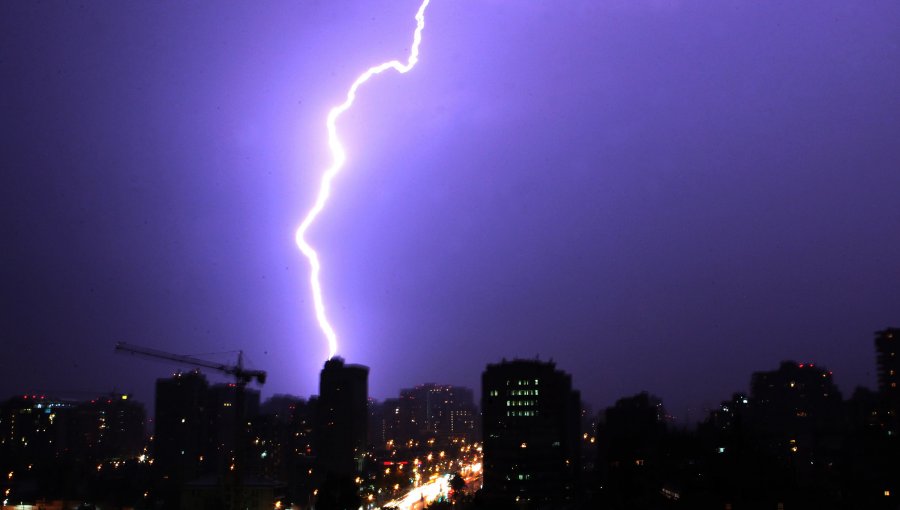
<point x="887" y="352"/>
<point x="341" y="417"/>
<point x="182" y="438"/>
<point x="227" y="427"/>
<point x="531" y="428"/>
<point x="796" y="397"/>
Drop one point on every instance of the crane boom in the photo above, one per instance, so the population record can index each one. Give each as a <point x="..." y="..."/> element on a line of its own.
<point x="233" y="490"/>
<point x="243" y="376"/>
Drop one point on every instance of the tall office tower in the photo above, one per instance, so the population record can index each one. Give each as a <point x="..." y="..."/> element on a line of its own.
<point x="341" y="417"/>
<point x="531" y="432"/>
<point x="182" y="437"/>
<point x="887" y="351"/>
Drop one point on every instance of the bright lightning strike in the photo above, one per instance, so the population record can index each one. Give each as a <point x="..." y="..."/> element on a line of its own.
<point x="338" y="158"/>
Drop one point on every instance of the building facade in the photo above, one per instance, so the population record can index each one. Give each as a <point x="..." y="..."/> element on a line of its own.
<point x="439" y="413"/>
<point x="531" y="428"/>
<point x="342" y="417"/>
<point x="887" y="359"/>
<point x="182" y="439"/>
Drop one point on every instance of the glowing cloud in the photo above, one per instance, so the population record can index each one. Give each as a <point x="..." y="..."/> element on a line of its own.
<point x="338" y="158"/>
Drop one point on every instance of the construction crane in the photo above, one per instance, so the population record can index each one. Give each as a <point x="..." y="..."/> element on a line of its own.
<point x="242" y="377"/>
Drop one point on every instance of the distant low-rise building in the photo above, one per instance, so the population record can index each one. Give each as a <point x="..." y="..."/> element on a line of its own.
<point x="439" y="413"/>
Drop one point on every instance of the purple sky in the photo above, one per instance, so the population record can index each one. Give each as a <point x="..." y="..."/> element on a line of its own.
<point x="660" y="195"/>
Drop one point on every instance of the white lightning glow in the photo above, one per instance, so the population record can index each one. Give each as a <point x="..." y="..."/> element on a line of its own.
<point x="338" y="158"/>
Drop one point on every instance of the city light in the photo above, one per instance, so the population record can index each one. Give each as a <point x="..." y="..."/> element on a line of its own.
<point x="339" y="157"/>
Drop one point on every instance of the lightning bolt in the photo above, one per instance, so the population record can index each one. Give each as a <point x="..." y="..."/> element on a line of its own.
<point x="338" y="158"/>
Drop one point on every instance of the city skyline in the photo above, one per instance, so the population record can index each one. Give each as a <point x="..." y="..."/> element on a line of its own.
<point x="224" y="377"/>
<point x="656" y="195"/>
<point x="791" y="439"/>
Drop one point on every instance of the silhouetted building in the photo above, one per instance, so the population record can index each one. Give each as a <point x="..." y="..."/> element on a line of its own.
<point x="630" y="452"/>
<point x="51" y="448"/>
<point x="887" y="352"/>
<point x="182" y="436"/>
<point x="281" y="445"/>
<point x="108" y="427"/>
<point x="631" y="430"/>
<point x="442" y="413"/>
<point x="341" y="417"/>
<point x="226" y="426"/>
<point x="797" y="399"/>
<point x="531" y="429"/>
<point x="34" y="429"/>
<point x="392" y="422"/>
<point x="375" y="436"/>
